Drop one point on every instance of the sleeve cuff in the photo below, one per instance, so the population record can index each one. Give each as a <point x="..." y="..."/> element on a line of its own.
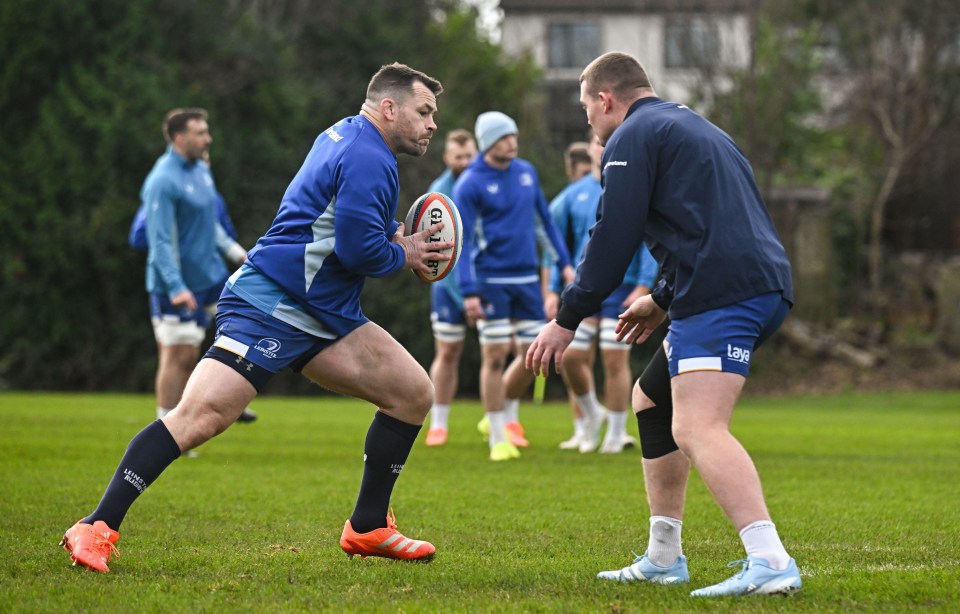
<point x="662" y="301"/>
<point x="235" y="252"/>
<point x="568" y="319"/>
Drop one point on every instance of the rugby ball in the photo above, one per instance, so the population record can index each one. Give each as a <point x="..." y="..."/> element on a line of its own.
<point x="433" y="208"/>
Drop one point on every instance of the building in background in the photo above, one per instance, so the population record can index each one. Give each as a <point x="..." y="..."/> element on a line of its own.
<point x="677" y="40"/>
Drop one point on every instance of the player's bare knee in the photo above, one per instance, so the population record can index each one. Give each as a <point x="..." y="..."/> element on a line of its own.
<point x="415" y="402"/>
<point x="495" y="363"/>
<point x="639" y="400"/>
<point x="449" y="355"/>
<point x="686" y="435"/>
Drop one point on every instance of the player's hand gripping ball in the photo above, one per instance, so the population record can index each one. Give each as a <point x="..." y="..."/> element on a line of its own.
<point x="430" y="209"/>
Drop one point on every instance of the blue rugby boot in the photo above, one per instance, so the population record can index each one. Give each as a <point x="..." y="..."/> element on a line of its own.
<point x="756" y="577"/>
<point x="644" y="570"/>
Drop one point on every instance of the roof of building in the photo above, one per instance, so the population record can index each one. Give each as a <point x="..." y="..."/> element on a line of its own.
<point x="614" y="6"/>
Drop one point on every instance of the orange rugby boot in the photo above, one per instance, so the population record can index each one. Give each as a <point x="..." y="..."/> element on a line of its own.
<point x="437" y="436"/>
<point x="91" y="545"/>
<point x="515" y="434"/>
<point x="386" y="542"/>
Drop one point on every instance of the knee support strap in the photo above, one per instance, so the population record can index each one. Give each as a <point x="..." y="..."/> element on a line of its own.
<point x="656" y="423"/>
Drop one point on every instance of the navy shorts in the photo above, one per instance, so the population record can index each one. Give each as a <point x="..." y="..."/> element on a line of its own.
<point x="446" y="306"/>
<point x="174" y="325"/>
<point x="511" y="310"/>
<point x="447" y="319"/>
<point x="161" y="308"/>
<point x="257" y="345"/>
<point x="724" y="339"/>
<point x="512" y="301"/>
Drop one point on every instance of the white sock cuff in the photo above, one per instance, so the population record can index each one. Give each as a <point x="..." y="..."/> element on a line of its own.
<point x="760" y="524"/>
<point x="673" y="522"/>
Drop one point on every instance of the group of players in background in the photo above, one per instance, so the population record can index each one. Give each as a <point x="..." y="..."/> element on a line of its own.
<point x="511" y="295"/>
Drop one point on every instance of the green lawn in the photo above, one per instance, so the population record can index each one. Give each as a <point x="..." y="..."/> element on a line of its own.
<point x="865" y="490"/>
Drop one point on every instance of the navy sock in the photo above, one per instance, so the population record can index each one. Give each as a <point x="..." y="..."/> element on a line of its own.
<point x="148" y="454"/>
<point x="387" y="446"/>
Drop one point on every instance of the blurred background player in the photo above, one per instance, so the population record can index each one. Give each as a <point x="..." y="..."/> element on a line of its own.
<point x="576" y="160"/>
<point x="502" y="206"/>
<point x="446" y="301"/>
<point x="576" y="164"/>
<point x="574" y="211"/>
<point x="185" y="228"/>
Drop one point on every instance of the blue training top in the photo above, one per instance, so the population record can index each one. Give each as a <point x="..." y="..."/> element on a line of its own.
<point x="180" y="201"/>
<point x="503" y="213"/>
<point x="574" y="211"/>
<point x="680" y="184"/>
<point x="137" y="237"/>
<point x="332" y="231"/>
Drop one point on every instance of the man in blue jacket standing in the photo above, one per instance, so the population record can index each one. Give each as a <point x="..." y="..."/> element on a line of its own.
<point x="186" y="245"/>
<point x="678" y="183"/>
<point x="177" y="184"/>
<point x="504" y="210"/>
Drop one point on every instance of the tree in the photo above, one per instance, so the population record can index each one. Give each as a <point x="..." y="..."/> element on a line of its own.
<point x="85" y="86"/>
<point x="898" y="68"/>
<point x="770" y="104"/>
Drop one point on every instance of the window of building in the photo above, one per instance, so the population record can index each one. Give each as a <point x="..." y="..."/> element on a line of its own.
<point x="573" y="44"/>
<point x="691" y="42"/>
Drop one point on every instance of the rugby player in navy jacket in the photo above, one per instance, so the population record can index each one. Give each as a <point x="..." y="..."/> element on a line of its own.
<point x="682" y="186"/>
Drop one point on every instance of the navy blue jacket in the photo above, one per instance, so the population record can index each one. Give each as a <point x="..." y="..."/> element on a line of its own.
<point x="682" y="186"/>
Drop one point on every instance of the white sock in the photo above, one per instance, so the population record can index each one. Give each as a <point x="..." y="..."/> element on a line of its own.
<point x="590" y="404"/>
<point x="511" y="409"/>
<point x="762" y="541"/>
<point x="439" y="414"/>
<point x="616" y="424"/>
<point x="664" y="547"/>
<point x="578" y="426"/>
<point x="162" y="411"/>
<point x="498" y="422"/>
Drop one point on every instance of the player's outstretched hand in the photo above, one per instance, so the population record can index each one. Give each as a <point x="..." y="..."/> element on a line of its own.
<point x="640" y="319"/>
<point x="420" y="250"/>
<point x="549" y="345"/>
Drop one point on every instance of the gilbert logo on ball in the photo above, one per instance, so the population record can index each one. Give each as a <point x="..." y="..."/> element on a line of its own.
<point x="430" y="209"/>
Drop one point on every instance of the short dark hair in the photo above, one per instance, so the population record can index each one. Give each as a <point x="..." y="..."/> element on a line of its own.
<point x="577" y="152"/>
<point x="177" y="119"/>
<point x="459" y="136"/>
<point x="397" y="80"/>
<point x="618" y="73"/>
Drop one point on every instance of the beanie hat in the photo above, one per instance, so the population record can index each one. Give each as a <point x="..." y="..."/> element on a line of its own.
<point x="491" y="127"/>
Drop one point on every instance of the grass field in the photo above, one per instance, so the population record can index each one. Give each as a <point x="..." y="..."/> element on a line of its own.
<point x="865" y="490"/>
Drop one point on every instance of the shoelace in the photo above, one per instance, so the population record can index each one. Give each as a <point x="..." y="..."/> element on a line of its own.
<point x="103" y="545"/>
<point x="746" y="566"/>
<point x="391" y="519"/>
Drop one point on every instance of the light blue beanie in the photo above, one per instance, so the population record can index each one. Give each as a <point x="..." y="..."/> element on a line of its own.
<point x="491" y="127"/>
